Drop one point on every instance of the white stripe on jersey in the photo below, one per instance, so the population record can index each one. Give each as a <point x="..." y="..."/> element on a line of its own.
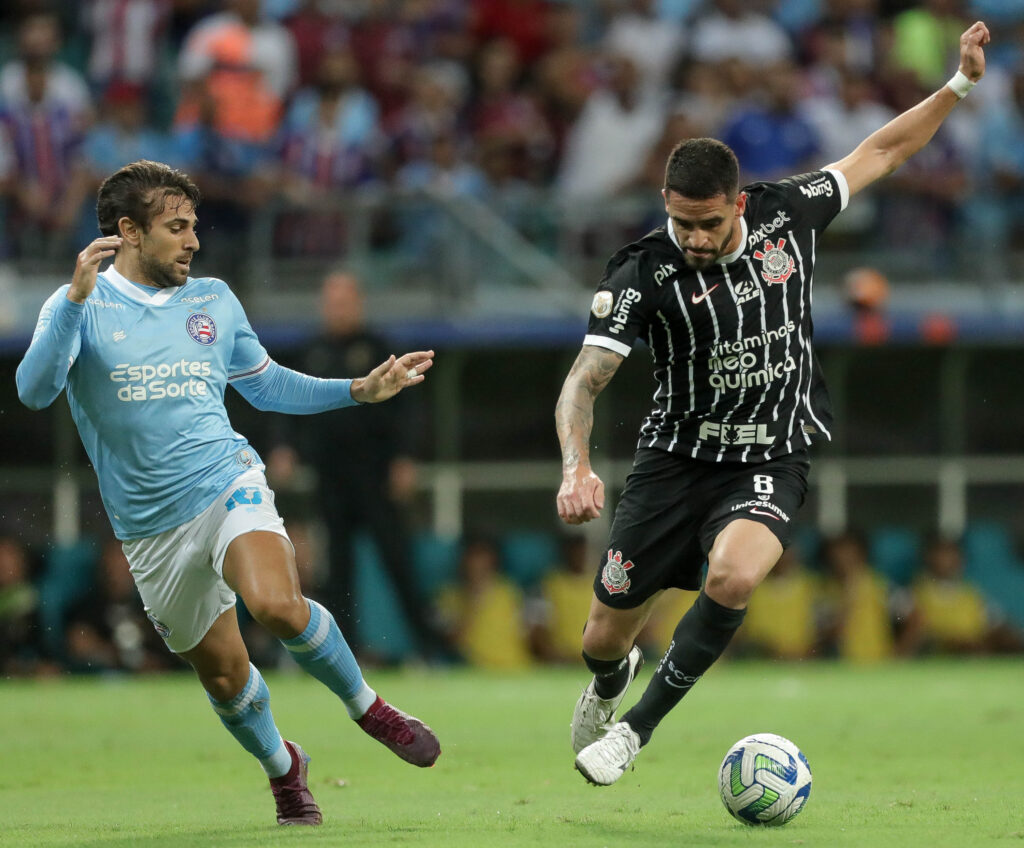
<point x="739" y="338"/>
<point x="789" y="376"/>
<point x="807" y="342"/>
<point x="714" y="323"/>
<point x="609" y="344"/>
<point x="661" y="413"/>
<point x="767" y="347"/>
<point x="693" y="350"/>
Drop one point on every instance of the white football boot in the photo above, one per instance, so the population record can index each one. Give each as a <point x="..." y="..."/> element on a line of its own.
<point x="594" y="716"/>
<point x="607" y="759"/>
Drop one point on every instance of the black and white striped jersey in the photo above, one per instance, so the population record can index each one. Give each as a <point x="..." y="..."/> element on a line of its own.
<point x="737" y="378"/>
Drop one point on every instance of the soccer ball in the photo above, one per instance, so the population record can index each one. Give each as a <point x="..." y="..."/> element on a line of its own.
<point x="764" y="779"/>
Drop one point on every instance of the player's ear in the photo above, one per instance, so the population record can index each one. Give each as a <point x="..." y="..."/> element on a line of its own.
<point x="128" y="230"/>
<point x="741" y="203"/>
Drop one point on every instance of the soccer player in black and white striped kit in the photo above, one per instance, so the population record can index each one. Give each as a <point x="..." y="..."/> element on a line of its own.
<point x="722" y="296"/>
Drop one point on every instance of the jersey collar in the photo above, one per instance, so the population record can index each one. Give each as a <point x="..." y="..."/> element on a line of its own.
<point x="725" y="260"/>
<point x="129" y="289"/>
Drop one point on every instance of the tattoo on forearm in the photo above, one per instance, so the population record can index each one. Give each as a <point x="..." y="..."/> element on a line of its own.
<point x="574" y="412"/>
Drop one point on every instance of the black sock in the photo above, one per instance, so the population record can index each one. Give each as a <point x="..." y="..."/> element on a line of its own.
<point x="699" y="639"/>
<point x="610" y="676"/>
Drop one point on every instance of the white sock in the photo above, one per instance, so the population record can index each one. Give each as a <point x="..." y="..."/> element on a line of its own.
<point x="279" y="763"/>
<point x="359" y="703"/>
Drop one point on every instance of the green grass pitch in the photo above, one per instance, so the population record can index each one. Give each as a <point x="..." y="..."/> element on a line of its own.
<point x="922" y="754"/>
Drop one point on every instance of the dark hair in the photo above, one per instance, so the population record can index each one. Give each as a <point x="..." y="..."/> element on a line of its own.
<point x="701" y="168"/>
<point x="139" y="191"/>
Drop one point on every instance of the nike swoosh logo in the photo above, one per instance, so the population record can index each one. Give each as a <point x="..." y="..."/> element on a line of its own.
<point x="697" y="298"/>
<point x="762" y="512"/>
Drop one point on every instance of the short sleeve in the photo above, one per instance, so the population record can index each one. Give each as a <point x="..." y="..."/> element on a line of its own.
<point x="248" y="356"/>
<point x="816" y="197"/>
<point x="619" y="310"/>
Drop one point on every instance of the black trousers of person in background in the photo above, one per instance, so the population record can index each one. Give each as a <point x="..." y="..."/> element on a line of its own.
<point x="357" y="501"/>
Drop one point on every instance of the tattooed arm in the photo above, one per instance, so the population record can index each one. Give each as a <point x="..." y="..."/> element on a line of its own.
<point x="581" y="495"/>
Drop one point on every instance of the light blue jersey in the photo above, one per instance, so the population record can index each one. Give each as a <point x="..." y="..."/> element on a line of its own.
<point x="145" y="372"/>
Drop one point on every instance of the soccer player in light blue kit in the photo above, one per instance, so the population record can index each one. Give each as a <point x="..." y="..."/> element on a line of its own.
<point x="145" y="353"/>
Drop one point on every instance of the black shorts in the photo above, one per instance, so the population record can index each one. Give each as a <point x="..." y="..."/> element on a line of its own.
<point x="672" y="509"/>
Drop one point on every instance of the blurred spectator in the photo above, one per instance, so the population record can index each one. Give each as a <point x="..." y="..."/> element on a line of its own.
<point x="730" y="31"/>
<point x="852" y="113"/>
<point x="781" y="619"/>
<point x="482" y="615"/>
<point x="365" y="467"/>
<point x="19" y="602"/>
<point x="108" y="629"/>
<point x="434" y="109"/>
<point x="501" y="110"/>
<point x="608" y="145"/>
<point x="996" y="205"/>
<point x="126" y="40"/>
<point x="316" y="30"/>
<point x="855" y="622"/>
<point x="770" y="136"/>
<point x="654" y="44"/>
<point x="847" y="37"/>
<point x="122" y="135"/>
<point x="926" y="40"/>
<point x="331" y="141"/>
<point x="237" y="67"/>
<point x="44" y="112"/>
<point x="523" y="22"/>
<point x="920" y="203"/>
<point x="947" y="613"/>
<point x="556" y="634"/>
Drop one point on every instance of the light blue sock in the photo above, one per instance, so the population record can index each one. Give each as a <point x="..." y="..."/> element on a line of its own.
<point x="323" y="652"/>
<point x="248" y="718"/>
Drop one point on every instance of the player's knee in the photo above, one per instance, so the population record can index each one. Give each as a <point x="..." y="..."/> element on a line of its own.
<point x="283" y="615"/>
<point x="604" y="642"/>
<point x="224" y="679"/>
<point x="730" y="587"/>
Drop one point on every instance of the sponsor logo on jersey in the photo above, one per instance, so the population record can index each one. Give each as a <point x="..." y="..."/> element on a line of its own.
<point x="614" y="575"/>
<point x="161" y="380"/>
<point x="201" y="328"/>
<point x="204" y="298"/>
<point x="746" y="290"/>
<point x="736" y="434"/>
<point x="817" y="188"/>
<point x="761" y="507"/>
<point x="622" y="306"/>
<point x="103" y="304"/>
<point x="776" y="265"/>
<point x="753" y="342"/>
<point x="662" y="272"/>
<point x="119" y="335"/>
<point x="697" y="298"/>
<point x="602" y="305"/>
<point x="746" y="370"/>
<point x="767" y="228"/>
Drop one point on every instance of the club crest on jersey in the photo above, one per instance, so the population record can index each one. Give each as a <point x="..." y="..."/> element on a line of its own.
<point x="159" y="626"/>
<point x="776" y="265"/>
<point x="201" y="328"/>
<point x="615" y="575"/>
<point x="602" y="305"/>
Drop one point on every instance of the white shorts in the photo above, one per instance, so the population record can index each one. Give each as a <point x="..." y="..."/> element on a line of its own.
<point x="179" y="573"/>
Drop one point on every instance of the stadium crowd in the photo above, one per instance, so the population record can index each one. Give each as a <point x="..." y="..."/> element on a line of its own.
<point x="302" y="102"/>
<point x="76" y="609"/>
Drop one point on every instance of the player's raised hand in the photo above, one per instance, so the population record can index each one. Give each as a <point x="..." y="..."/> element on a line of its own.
<point x="581" y="496"/>
<point x="972" y="56"/>
<point x="391" y="376"/>
<point x="88" y="265"/>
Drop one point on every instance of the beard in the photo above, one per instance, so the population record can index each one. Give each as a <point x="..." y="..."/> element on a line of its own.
<point x="163" y="275"/>
<point x="704" y="260"/>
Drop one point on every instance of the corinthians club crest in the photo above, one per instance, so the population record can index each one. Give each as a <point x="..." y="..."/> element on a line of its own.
<point x="614" y="575"/>
<point x="776" y="264"/>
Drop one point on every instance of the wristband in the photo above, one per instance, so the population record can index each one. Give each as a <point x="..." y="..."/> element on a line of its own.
<point x="960" y="84"/>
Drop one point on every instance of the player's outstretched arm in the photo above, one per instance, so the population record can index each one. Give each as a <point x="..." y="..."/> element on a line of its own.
<point x="885" y="150"/>
<point x="581" y="495"/>
<point x="391" y="376"/>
